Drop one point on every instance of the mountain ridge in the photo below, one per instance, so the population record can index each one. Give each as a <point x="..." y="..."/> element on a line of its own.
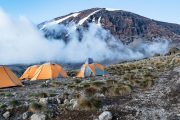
<point x="126" y="26"/>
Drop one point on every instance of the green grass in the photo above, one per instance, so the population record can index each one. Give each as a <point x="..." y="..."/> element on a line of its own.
<point x="15" y="103"/>
<point x="2" y="106"/>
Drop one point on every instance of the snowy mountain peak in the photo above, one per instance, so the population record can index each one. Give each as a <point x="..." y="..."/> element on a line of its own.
<point x="124" y="25"/>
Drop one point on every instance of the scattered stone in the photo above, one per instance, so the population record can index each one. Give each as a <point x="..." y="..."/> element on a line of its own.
<point x="38" y="116"/>
<point x="6" y="115"/>
<point x="58" y="100"/>
<point x="66" y="101"/>
<point x="9" y="107"/>
<point x="99" y="95"/>
<point x="74" y="103"/>
<point x="43" y="101"/>
<point x="106" y="115"/>
<point x="48" y="81"/>
<point x="25" y="115"/>
<point x="177" y="69"/>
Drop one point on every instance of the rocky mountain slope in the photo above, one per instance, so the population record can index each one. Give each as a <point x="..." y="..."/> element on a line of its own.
<point x="141" y="90"/>
<point x="124" y="25"/>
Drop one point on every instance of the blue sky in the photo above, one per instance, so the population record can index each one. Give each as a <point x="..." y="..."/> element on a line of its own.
<point x="40" y="10"/>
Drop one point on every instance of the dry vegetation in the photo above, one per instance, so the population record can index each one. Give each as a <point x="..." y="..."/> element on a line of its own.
<point x="91" y="93"/>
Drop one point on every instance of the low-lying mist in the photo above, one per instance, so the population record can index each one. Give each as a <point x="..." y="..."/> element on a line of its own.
<point x="22" y="43"/>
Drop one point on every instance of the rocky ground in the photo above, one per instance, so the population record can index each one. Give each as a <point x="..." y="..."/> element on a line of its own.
<point x="148" y="89"/>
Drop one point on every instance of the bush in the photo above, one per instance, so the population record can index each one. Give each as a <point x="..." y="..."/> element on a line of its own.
<point x="65" y="95"/>
<point x="15" y="103"/>
<point x="85" y="85"/>
<point x="2" y="106"/>
<point x="88" y="103"/>
<point x="71" y="86"/>
<point x="111" y="82"/>
<point x="97" y="83"/>
<point x="121" y="90"/>
<point x="56" y="84"/>
<point x="146" y="84"/>
<point x="36" y="107"/>
<point x="42" y="95"/>
<point x="90" y="91"/>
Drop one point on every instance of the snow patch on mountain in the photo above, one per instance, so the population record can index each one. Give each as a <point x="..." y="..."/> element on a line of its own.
<point x="54" y="22"/>
<point x="84" y="19"/>
<point x="111" y="9"/>
<point x="99" y="21"/>
<point x="62" y="19"/>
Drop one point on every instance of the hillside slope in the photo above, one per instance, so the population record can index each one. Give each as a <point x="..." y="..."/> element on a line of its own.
<point x="124" y="25"/>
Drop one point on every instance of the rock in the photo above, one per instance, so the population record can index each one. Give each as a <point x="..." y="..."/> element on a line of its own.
<point x="25" y="115"/>
<point x="58" y="101"/>
<point x="48" y="81"/>
<point x="66" y="101"/>
<point x="74" y="103"/>
<point x="106" y="115"/>
<point x="10" y="107"/>
<point x="39" y="116"/>
<point x="177" y="69"/>
<point x="43" y="101"/>
<point x="6" y="115"/>
<point x="99" y="95"/>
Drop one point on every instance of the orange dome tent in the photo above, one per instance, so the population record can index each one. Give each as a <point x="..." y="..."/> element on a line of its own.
<point x="29" y="73"/>
<point x="91" y="69"/>
<point x="49" y="71"/>
<point x="8" y="78"/>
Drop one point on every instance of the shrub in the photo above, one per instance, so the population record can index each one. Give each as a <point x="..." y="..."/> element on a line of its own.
<point x="15" y="103"/>
<point x="42" y="95"/>
<point x="52" y="94"/>
<point x="36" y="107"/>
<point x="98" y="83"/>
<point x="72" y="73"/>
<point x="105" y="90"/>
<point x="77" y="80"/>
<point x="2" y="106"/>
<point x="121" y="90"/>
<point x="71" y="86"/>
<point x="56" y="84"/>
<point x="88" y="103"/>
<point x="146" y="84"/>
<point x="111" y="82"/>
<point x="90" y="91"/>
<point x="65" y="95"/>
<point x="85" y="85"/>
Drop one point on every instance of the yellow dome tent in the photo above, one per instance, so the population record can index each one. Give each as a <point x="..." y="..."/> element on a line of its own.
<point x="8" y="78"/>
<point x="91" y="69"/>
<point x="29" y="73"/>
<point x="49" y="71"/>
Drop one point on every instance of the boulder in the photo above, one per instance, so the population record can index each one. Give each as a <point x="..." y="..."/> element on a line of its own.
<point x="106" y="115"/>
<point x="25" y="115"/>
<point x="38" y="116"/>
<point x="74" y="103"/>
<point x="6" y="115"/>
<point x="43" y="101"/>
